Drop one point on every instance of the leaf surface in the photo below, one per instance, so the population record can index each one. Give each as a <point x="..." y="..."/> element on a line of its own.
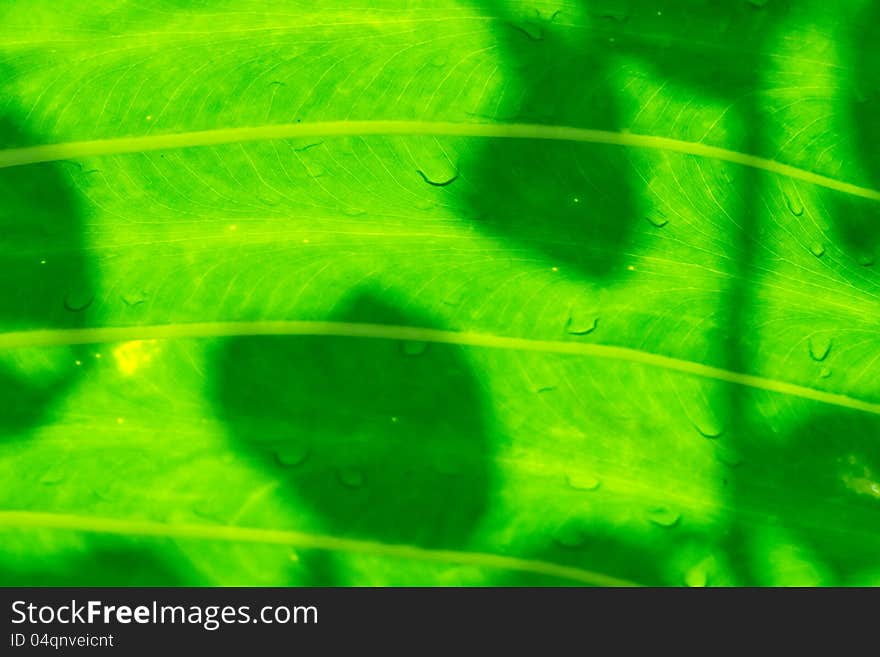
<point x="439" y="293"/>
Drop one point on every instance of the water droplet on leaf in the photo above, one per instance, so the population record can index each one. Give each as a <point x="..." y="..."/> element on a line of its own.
<point x="817" y="250"/>
<point x="728" y="456"/>
<point x="413" y="347"/>
<point x="698" y="575"/>
<point x="709" y="426"/>
<point x="529" y="30"/>
<point x="209" y="509"/>
<point x="866" y="260"/>
<point x="825" y="372"/>
<point x="820" y="346"/>
<point x="569" y="536"/>
<point x="664" y="517"/>
<point x="657" y="221"/>
<point x="351" y="477"/>
<point x="315" y="170"/>
<point x="444" y="181"/>
<point x="78" y="301"/>
<point x="616" y="11"/>
<point x="794" y="205"/>
<point x="292" y="454"/>
<point x="696" y="578"/>
<point x="52" y="476"/>
<point x="581" y="323"/>
<point x="582" y="481"/>
<point x="134" y="298"/>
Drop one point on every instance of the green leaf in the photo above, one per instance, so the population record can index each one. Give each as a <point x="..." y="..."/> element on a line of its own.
<point x="471" y="293"/>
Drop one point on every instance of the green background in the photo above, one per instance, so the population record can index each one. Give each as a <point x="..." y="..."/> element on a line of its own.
<point x="214" y="456"/>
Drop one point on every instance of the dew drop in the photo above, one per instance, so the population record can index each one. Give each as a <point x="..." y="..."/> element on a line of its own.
<point x="582" y="481"/>
<point x="729" y="456"/>
<point x="446" y="182"/>
<point x="817" y="250"/>
<point x="208" y="509"/>
<point x="581" y="323"/>
<point x="354" y="212"/>
<point x="529" y="30"/>
<point x="825" y="372"/>
<point x="307" y="147"/>
<point x="709" y="427"/>
<point x="351" y="477"/>
<point x="52" y="476"/>
<point x="820" y="346"/>
<point x="77" y="302"/>
<point x="697" y="576"/>
<point x="292" y="454"/>
<point x="616" y="11"/>
<point x="315" y="170"/>
<point x="134" y="298"/>
<point x="413" y="347"/>
<point x="794" y="206"/>
<point x="866" y="260"/>
<point x="544" y="386"/>
<point x="664" y="517"/>
<point x="657" y="221"/>
<point x="569" y="536"/>
<point x="439" y="61"/>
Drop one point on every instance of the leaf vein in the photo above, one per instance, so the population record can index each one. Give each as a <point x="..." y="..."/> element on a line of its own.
<point x="126" y="145"/>
<point x="95" y="335"/>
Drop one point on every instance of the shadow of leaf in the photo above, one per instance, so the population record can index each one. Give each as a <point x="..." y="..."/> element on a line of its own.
<point x="45" y="283"/>
<point x="820" y="487"/>
<point x="857" y="220"/>
<point x="107" y="562"/>
<point x="383" y="440"/>
<point x="576" y="203"/>
<point x="569" y="201"/>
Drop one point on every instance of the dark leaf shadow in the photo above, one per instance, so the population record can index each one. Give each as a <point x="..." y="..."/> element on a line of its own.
<point x="857" y="220"/>
<point x="383" y="440"/>
<point x="570" y="202"/>
<point x="107" y="562"/>
<point x="45" y="283"/>
<point x="713" y="52"/>
<point x="820" y="484"/>
<point x="575" y="203"/>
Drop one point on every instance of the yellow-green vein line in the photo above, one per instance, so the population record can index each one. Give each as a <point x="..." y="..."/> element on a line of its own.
<point x="117" y="146"/>
<point x="61" y="337"/>
<point x="302" y="540"/>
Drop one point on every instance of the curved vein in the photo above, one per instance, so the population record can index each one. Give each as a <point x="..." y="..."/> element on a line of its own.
<point x="234" y="534"/>
<point x="62" y="337"/>
<point x="55" y="152"/>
